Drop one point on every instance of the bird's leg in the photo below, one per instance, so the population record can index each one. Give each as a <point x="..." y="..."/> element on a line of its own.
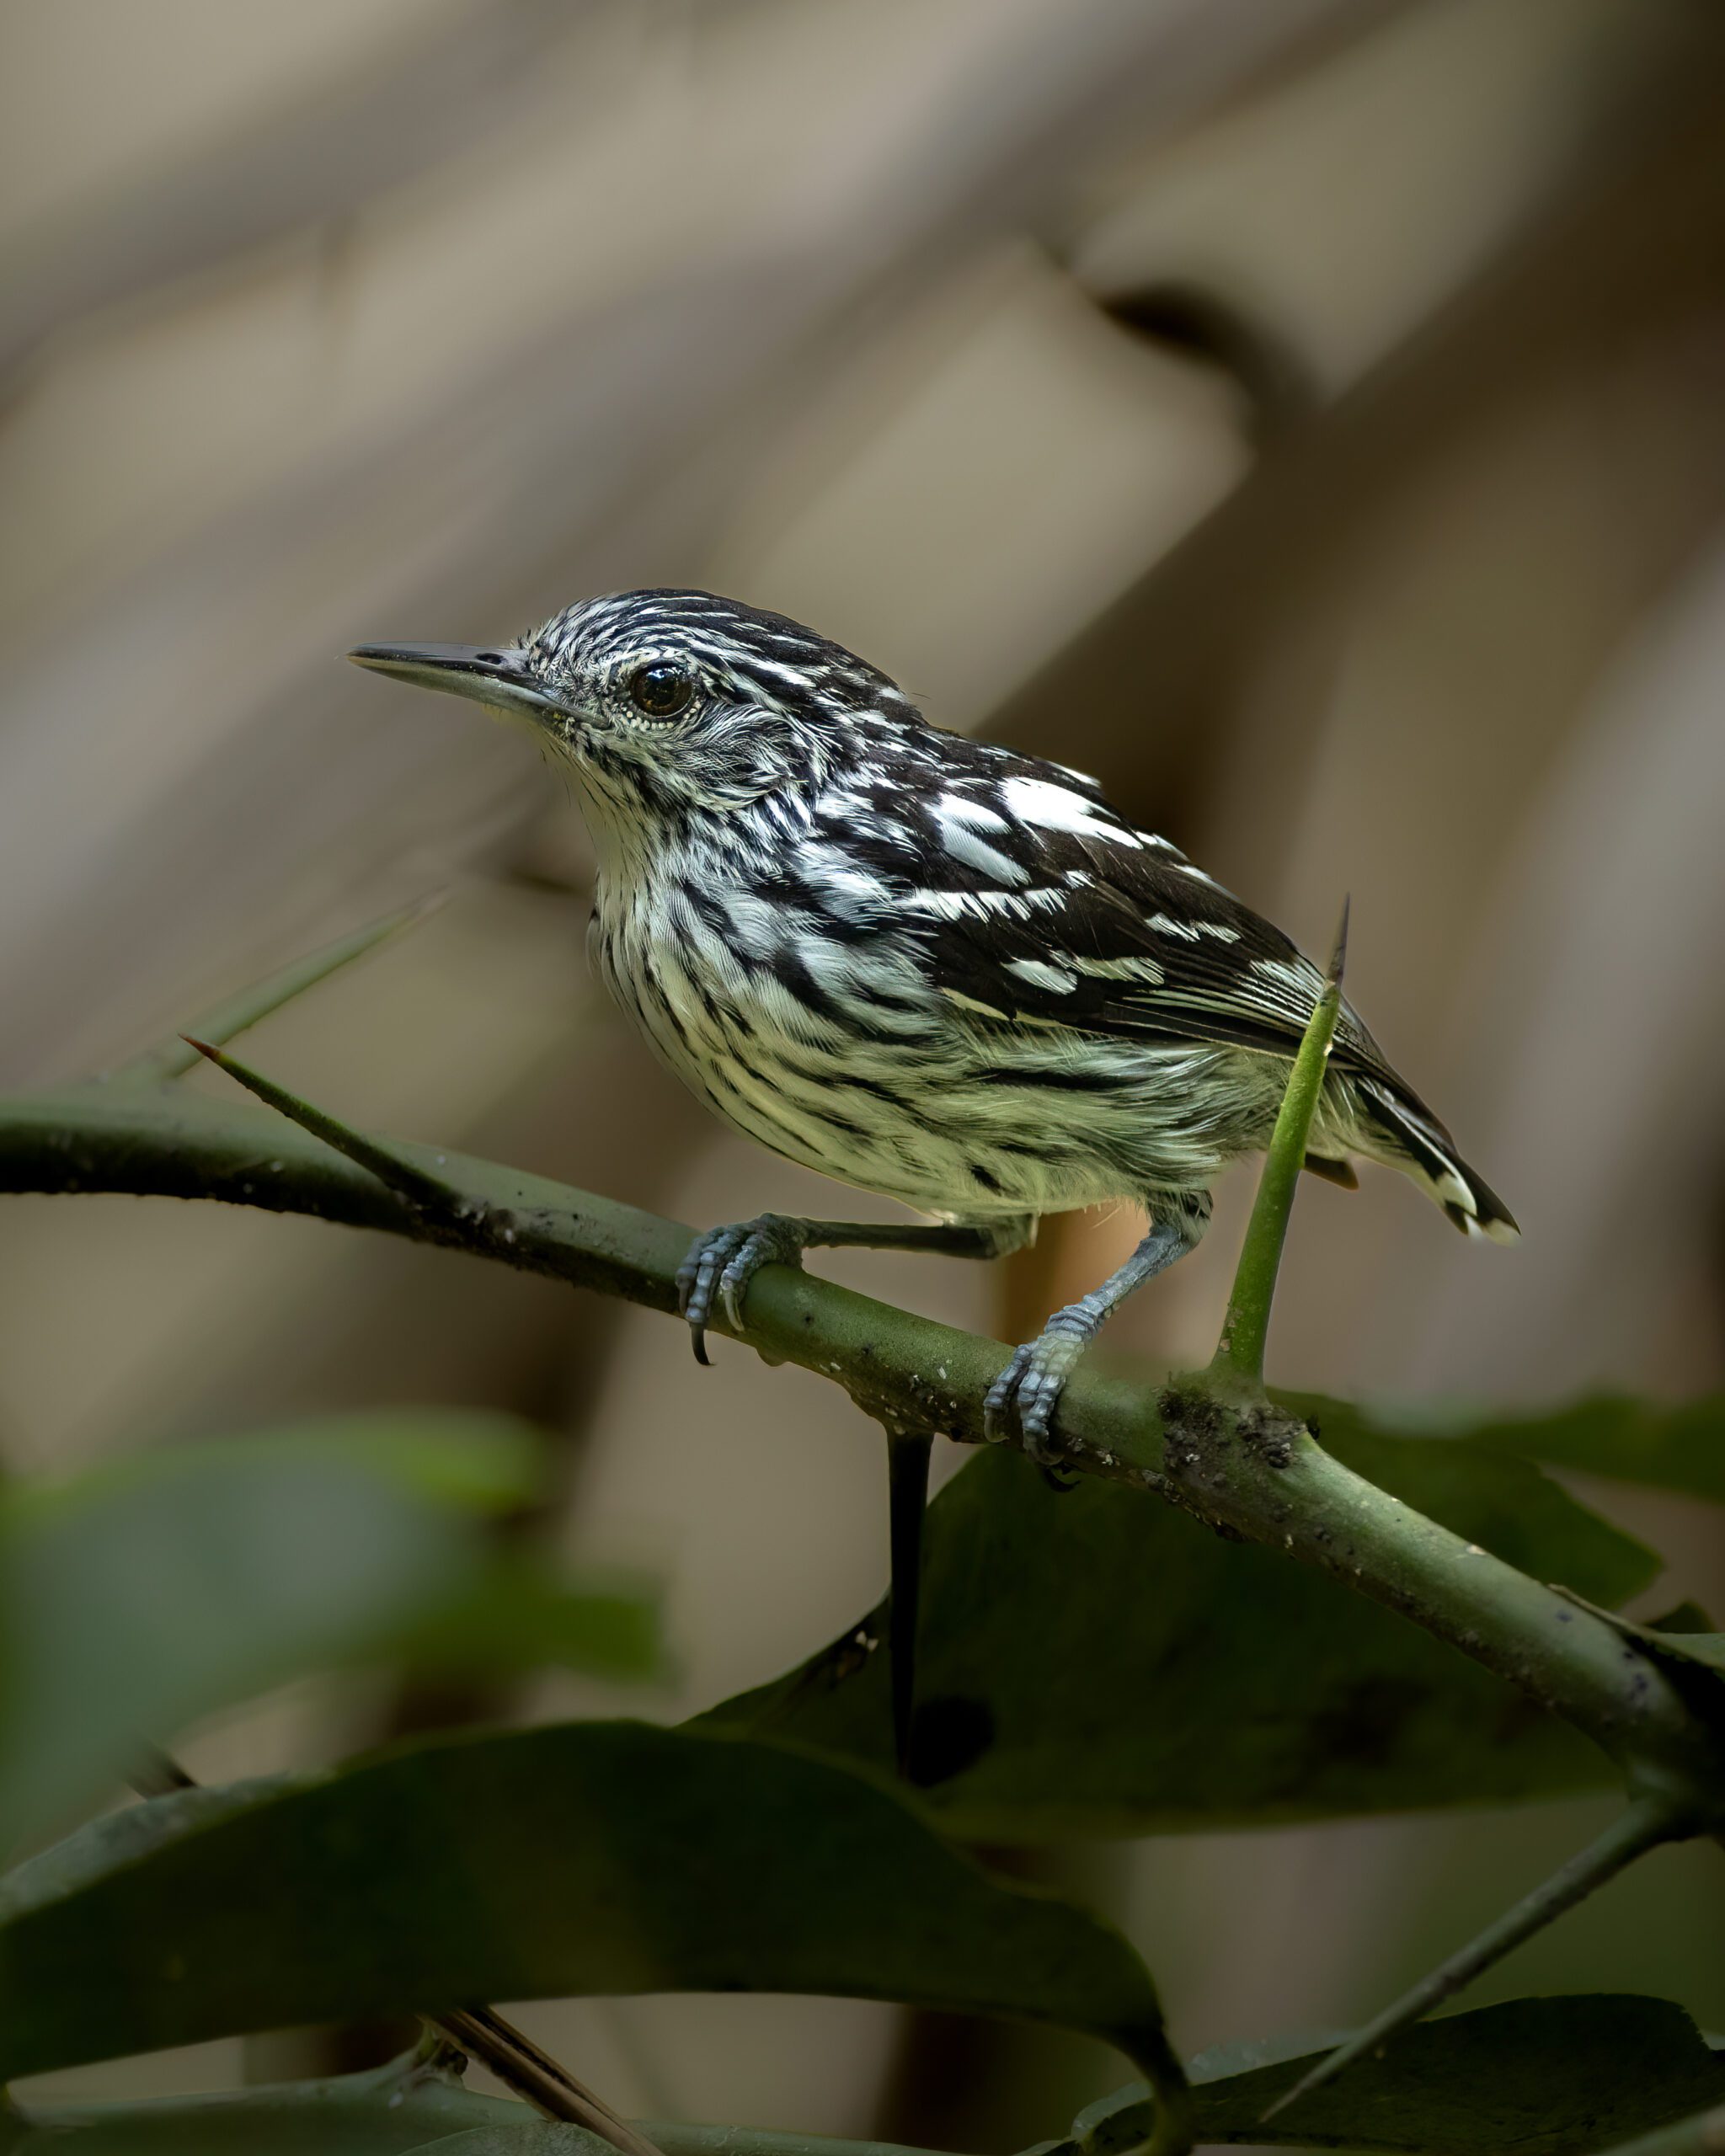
<point x="723" y="1260"/>
<point x="1031" y="1385"/>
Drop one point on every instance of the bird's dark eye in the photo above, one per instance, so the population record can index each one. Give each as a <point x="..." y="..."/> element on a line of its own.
<point x="661" y="689"/>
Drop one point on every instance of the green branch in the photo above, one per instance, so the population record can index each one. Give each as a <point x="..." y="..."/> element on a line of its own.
<point x="1252" y="1470"/>
<point x="1214" y="1444"/>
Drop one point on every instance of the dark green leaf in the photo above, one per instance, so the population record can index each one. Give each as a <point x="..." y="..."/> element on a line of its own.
<point x="538" y="2138"/>
<point x="1543" y="2077"/>
<point x="1650" y="1441"/>
<point x="393" y="2110"/>
<point x="596" y="1858"/>
<point x="1096" y="1662"/>
<point x="139" y="1597"/>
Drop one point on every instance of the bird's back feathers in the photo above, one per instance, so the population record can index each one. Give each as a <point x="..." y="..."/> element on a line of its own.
<point x="1036" y="905"/>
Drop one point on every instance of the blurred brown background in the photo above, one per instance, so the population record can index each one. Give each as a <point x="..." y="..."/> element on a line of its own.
<point x="1306" y="414"/>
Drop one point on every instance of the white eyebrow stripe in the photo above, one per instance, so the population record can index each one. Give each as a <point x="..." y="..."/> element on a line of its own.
<point x="761" y="664"/>
<point x="1053" y="808"/>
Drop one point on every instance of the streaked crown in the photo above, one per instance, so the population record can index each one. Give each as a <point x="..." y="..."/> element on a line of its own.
<point x="730" y="652"/>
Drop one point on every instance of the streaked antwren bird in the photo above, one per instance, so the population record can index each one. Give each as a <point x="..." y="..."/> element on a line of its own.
<point x="927" y="966"/>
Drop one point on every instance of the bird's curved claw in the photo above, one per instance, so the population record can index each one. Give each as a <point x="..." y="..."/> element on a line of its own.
<point x="1027" y="1392"/>
<point x="723" y="1260"/>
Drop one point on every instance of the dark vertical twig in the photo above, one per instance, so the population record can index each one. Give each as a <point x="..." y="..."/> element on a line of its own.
<point x="908" y="1453"/>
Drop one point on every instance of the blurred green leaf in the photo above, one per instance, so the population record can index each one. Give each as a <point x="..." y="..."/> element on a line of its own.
<point x="392" y="2109"/>
<point x="172" y="1057"/>
<point x="1096" y="1662"/>
<point x="1553" y="2077"/>
<point x="1543" y="2077"/>
<point x="1668" y="1448"/>
<point x="601" y="1857"/>
<point x="150" y="1592"/>
<point x="536" y="2137"/>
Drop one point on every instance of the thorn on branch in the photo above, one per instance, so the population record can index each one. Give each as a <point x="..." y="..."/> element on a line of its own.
<point x="403" y="1175"/>
<point x="551" y="2089"/>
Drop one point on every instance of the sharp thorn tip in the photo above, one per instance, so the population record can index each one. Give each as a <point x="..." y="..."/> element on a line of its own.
<point x="1338" y="957"/>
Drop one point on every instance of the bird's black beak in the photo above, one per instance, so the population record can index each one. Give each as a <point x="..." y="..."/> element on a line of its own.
<point x="498" y="679"/>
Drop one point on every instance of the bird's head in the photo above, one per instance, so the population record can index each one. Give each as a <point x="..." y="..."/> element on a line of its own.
<point x="666" y="701"/>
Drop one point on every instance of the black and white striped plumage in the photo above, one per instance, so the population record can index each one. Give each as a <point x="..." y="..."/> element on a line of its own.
<point x="927" y="966"/>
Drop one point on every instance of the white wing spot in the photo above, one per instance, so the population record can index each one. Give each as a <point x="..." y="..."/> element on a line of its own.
<point x="967" y="845"/>
<point x="1083" y="778"/>
<point x="1054" y="979"/>
<point x="1300" y="975"/>
<point x="1055" y="808"/>
<point x="954" y="808"/>
<point x="1144" y="970"/>
<point x="979" y="906"/>
<point x="1166" y="925"/>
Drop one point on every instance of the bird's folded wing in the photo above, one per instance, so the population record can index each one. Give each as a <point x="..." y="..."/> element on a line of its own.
<point x="1103" y="930"/>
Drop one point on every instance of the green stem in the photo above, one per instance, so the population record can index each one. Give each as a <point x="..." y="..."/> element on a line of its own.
<point x="1651" y="1820"/>
<point x="1240" y="1352"/>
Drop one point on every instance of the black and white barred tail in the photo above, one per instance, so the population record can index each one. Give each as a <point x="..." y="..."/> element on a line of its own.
<point x="1413" y="1140"/>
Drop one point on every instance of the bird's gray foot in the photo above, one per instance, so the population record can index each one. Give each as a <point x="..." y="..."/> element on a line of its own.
<point x="1027" y="1391"/>
<point x="723" y="1260"/>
